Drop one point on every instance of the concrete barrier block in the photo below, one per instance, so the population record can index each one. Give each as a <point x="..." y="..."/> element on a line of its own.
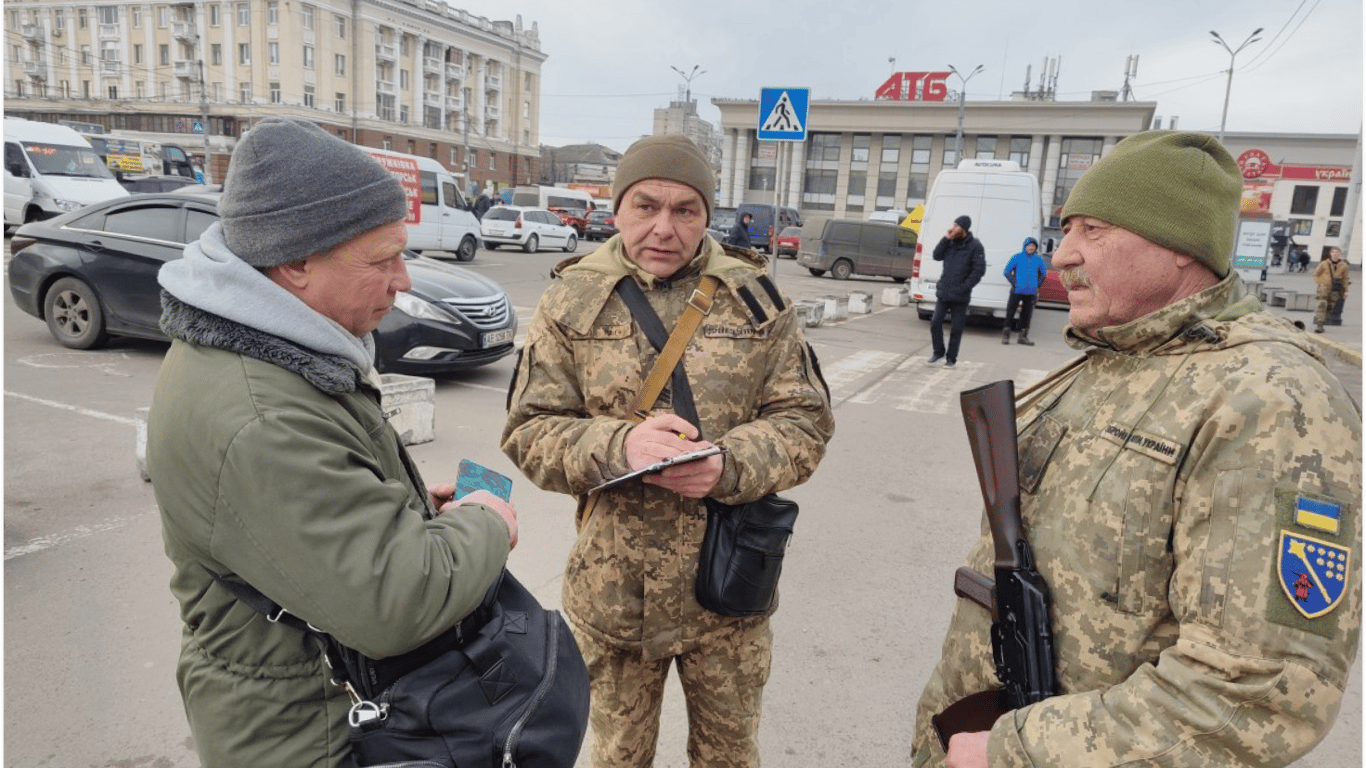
<point x="1300" y="302"/>
<point x="409" y="403"/>
<point x="895" y="297"/>
<point x="836" y="307"/>
<point x="860" y="303"/>
<point x="811" y="312"/>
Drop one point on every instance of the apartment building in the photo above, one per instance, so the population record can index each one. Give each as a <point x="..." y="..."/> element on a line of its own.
<point x="414" y="76"/>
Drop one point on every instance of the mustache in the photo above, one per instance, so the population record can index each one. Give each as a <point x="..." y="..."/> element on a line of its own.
<point x="1074" y="277"/>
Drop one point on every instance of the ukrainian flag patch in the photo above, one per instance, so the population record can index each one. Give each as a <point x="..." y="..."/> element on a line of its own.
<point x="1319" y="515"/>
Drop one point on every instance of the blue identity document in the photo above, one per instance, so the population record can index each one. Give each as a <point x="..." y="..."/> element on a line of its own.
<point x="475" y="477"/>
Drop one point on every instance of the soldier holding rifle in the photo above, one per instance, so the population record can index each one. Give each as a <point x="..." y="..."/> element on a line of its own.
<point x="1191" y="491"/>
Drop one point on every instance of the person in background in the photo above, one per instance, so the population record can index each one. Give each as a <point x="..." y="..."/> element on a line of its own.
<point x="1332" y="278"/>
<point x="1025" y="271"/>
<point x="629" y="581"/>
<point x="739" y="232"/>
<point x="273" y="463"/>
<point x="965" y="262"/>
<point x="1191" y="489"/>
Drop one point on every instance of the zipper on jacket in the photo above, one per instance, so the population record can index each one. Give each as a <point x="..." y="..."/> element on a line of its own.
<point x="552" y="660"/>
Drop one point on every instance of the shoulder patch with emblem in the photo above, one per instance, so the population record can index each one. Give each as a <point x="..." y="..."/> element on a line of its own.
<point x="1312" y="569"/>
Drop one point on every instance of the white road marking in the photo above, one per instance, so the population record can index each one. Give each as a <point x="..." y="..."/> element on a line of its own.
<point x="74" y="408"/>
<point x="57" y="539"/>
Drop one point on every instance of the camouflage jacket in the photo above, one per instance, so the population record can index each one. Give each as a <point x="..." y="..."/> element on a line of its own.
<point x="1327" y="273"/>
<point x="1192" y="491"/>
<point x="758" y="392"/>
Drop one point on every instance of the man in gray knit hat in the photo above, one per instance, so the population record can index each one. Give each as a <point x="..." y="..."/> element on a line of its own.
<point x="272" y="461"/>
<point x="574" y="423"/>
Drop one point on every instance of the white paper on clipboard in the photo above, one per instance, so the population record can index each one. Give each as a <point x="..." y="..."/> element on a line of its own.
<point x="660" y="466"/>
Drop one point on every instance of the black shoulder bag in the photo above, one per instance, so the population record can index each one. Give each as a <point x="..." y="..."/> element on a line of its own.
<point x="505" y="686"/>
<point x="742" y="552"/>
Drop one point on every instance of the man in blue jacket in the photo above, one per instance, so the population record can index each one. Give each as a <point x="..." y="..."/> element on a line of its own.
<point x="1025" y="271"/>
<point x="965" y="261"/>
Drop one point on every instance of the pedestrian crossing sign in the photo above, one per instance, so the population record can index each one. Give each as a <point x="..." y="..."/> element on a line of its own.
<point x="782" y="114"/>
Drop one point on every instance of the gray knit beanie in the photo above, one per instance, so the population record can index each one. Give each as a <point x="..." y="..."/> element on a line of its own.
<point x="294" y="190"/>
<point x="672" y="157"/>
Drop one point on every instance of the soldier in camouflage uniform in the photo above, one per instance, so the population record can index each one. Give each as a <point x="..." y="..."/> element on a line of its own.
<point x="1192" y="491"/>
<point x="628" y="587"/>
<point x="1332" y="278"/>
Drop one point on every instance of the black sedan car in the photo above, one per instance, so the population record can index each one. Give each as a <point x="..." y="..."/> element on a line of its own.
<point x="600" y="225"/>
<point x="91" y="274"/>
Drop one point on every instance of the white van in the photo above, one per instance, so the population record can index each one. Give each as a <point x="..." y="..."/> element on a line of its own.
<point x="553" y="198"/>
<point x="439" y="218"/>
<point x="49" y="170"/>
<point x="1003" y="202"/>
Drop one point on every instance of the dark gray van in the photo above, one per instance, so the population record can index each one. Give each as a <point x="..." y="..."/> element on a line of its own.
<point x="853" y="246"/>
<point x="761" y="229"/>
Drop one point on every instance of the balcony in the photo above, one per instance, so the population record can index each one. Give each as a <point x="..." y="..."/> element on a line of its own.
<point x="36" y="70"/>
<point x="185" y="69"/>
<point x="33" y="32"/>
<point x="455" y="71"/>
<point x="385" y="87"/>
<point x="109" y="32"/>
<point x="386" y="52"/>
<point x="185" y="30"/>
<point x="111" y="67"/>
<point x="433" y="99"/>
<point x="431" y="65"/>
<point x="455" y="103"/>
<point x="493" y="112"/>
<point x="493" y="82"/>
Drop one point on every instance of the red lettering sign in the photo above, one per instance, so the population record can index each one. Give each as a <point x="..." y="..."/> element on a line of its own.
<point x="902" y="86"/>
<point x="405" y="170"/>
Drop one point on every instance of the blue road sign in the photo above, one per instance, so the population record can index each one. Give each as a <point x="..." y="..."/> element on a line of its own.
<point x="782" y="113"/>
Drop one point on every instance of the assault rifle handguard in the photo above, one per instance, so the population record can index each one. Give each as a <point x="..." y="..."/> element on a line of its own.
<point x="1018" y="598"/>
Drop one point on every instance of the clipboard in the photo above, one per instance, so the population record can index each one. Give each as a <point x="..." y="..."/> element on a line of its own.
<point x="660" y="466"/>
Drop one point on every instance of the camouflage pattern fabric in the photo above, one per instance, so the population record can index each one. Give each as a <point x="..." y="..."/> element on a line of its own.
<point x="722" y="679"/>
<point x="630" y="575"/>
<point x="1192" y="491"/>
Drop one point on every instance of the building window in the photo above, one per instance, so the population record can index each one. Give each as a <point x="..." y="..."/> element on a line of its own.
<point x="1019" y="150"/>
<point x="1302" y="227"/>
<point x="403" y="79"/>
<point x="273" y="53"/>
<point x="339" y="104"/>
<point x="137" y="53"/>
<point x="82" y="20"/>
<point x="493" y="161"/>
<point x="244" y="92"/>
<point x="218" y="91"/>
<point x="308" y="96"/>
<point x="215" y="54"/>
<point x="824" y="146"/>
<point x="307" y="12"/>
<point x="341" y="27"/>
<point x="1077" y="157"/>
<point x="340" y="62"/>
<point x="141" y="89"/>
<point x="918" y="183"/>
<point x="273" y="13"/>
<point x="859" y="154"/>
<point x="134" y="16"/>
<point x="109" y="14"/>
<point x="274" y="93"/>
<point x="1339" y="202"/>
<point x="986" y="147"/>
<point x="113" y="91"/>
<point x="1304" y="200"/>
<point x="215" y="15"/>
<point x="858" y="185"/>
<point x="308" y="57"/>
<point x="244" y="14"/>
<point x="818" y="189"/>
<point x="1334" y="229"/>
<point x="164" y="55"/>
<point x="403" y="115"/>
<point x="244" y="53"/>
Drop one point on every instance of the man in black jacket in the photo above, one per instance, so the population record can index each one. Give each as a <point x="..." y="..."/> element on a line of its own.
<point x="965" y="261"/>
<point x="739" y="234"/>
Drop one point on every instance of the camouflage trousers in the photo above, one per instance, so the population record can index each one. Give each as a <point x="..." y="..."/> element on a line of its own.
<point x="723" y="682"/>
<point x="1329" y="307"/>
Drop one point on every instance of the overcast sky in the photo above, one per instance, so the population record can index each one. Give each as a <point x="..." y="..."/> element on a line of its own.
<point x="609" y="61"/>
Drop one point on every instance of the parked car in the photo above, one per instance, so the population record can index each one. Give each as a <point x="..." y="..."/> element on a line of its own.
<point x="527" y="227"/>
<point x="849" y="246"/>
<point x="572" y="217"/>
<point x="789" y="241"/>
<point x="722" y="219"/>
<point x="91" y="274"/>
<point x="157" y="184"/>
<point x="1051" y="290"/>
<point x="601" y="225"/>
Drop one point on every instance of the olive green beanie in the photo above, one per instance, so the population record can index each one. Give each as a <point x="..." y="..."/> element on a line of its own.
<point x="1179" y="190"/>
<point x="673" y="157"/>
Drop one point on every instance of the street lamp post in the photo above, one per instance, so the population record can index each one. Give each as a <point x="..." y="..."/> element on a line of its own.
<point x="687" y="98"/>
<point x="962" y="96"/>
<point x="1232" y="54"/>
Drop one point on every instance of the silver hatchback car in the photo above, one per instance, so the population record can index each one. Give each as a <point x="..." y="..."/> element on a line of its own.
<point x="527" y="227"/>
